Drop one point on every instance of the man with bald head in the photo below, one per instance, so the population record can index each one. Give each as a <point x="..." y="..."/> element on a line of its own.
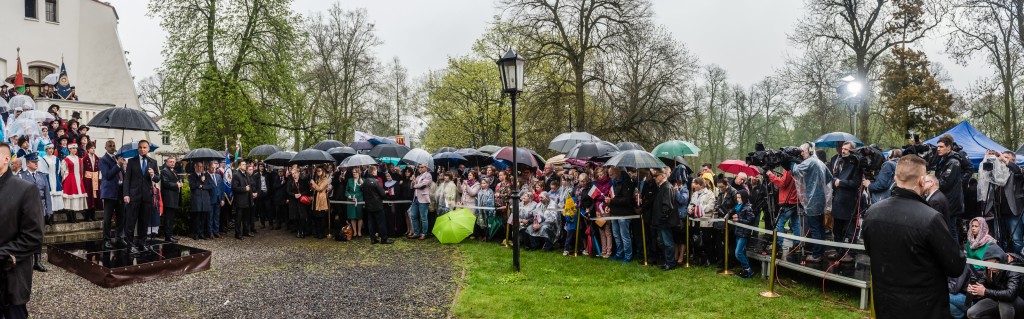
<point x="912" y="252"/>
<point x="937" y="200"/>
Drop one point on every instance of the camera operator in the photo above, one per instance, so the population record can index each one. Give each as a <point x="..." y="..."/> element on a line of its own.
<point x="998" y="291"/>
<point x="788" y="200"/>
<point x="879" y="188"/>
<point x="812" y="178"/>
<point x="948" y="171"/>
<point x="21" y="236"/>
<point x="845" y="205"/>
<point x="998" y="180"/>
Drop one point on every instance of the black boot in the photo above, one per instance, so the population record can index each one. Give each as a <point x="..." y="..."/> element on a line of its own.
<point x="38" y="265"/>
<point x="72" y="217"/>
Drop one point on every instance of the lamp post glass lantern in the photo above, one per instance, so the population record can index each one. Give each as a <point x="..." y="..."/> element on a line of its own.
<point x="511" y="67"/>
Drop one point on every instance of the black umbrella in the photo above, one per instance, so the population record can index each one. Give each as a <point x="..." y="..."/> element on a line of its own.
<point x="475" y="157"/>
<point x="448" y="159"/>
<point x="565" y="141"/>
<point x="123" y="118"/>
<point x="389" y="150"/>
<point x="674" y="161"/>
<point x="1020" y="150"/>
<point x="625" y="146"/>
<point x="362" y="146"/>
<point x="588" y="150"/>
<point x="445" y="149"/>
<point x="635" y="159"/>
<point x="203" y="155"/>
<point x="328" y="144"/>
<point x="280" y="158"/>
<point x="311" y="156"/>
<point x="358" y="160"/>
<point x="341" y="153"/>
<point x="264" y="150"/>
<point x="489" y="149"/>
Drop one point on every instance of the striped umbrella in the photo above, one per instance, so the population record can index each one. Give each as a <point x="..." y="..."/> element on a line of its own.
<point x="634" y="159"/>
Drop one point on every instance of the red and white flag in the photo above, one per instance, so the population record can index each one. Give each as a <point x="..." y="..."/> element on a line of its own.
<point x="594" y="192"/>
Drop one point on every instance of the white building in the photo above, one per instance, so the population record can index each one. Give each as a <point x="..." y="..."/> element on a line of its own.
<point x="82" y="33"/>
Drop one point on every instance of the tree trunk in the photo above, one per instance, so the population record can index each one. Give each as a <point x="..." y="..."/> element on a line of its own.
<point x="580" y="95"/>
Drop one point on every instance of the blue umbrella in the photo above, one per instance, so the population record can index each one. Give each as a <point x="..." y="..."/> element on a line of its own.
<point x="836" y="138"/>
<point x="132" y="149"/>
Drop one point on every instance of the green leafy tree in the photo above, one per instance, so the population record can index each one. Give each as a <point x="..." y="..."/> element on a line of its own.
<point x="464" y="106"/>
<point x="912" y="97"/>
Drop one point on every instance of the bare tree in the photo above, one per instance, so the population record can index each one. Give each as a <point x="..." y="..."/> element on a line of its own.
<point x="867" y="30"/>
<point x="988" y="28"/>
<point x="812" y="77"/>
<point x="153" y="94"/>
<point x="573" y="32"/>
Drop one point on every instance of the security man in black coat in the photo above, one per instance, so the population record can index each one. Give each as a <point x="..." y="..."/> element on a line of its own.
<point x="170" y="192"/>
<point x="21" y="236"/>
<point x="373" y="194"/>
<point x="912" y="252"/>
<point x="241" y="187"/>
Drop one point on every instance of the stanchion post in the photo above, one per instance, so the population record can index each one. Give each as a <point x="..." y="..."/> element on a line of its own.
<point x="576" y="239"/>
<point x="643" y="236"/>
<point x="725" y="269"/>
<point x="771" y="269"/>
<point x="687" y="243"/>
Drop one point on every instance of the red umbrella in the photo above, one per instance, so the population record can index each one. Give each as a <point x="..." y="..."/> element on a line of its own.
<point x="738" y="166"/>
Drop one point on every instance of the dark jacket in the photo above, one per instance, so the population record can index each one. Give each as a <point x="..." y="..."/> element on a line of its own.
<point x="624" y="202"/>
<point x="373" y="194"/>
<point x="169" y="191"/>
<point x="744" y="216"/>
<point x="845" y="197"/>
<point x="138" y="184"/>
<point x="217" y="193"/>
<point x="279" y="188"/>
<point x="939" y="202"/>
<point x="647" y="190"/>
<point x="726" y="201"/>
<point x="912" y="255"/>
<point x="110" y="184"/>
<point x="21" y="233"/>
<point x="1005" y="285"/>
<point x="950" y="181"/>
<point x="243" y="198"/>
<point x="879" y="188"/>
<point x="200" y="192"/>
<point x="663" y="208"/>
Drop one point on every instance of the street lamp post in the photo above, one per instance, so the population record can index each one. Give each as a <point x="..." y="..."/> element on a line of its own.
<point x="330" y="134"/>
<point x="850" y="89"/>
<point x="511" y="67"/>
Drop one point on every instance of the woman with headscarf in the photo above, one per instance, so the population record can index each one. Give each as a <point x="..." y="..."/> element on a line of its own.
<point x="978" y="239"/>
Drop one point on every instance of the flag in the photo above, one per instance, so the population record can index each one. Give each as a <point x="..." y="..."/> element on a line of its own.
<point x="363" y="136"/>
<point x="63" y="86"/>
<point x="19" y="78"/>
<point x="226" y="171"/>
<point x="594" y="192"/>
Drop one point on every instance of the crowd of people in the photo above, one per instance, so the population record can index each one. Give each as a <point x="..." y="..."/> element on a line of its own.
<point x="44" y="91"/>
<point x="614" y="213"/>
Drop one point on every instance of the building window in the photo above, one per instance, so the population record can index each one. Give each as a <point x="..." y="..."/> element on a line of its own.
<point x="51" y="10"/>
<point x="30" y="9"/>
<point x="165" y="138"/>
<point x="38" y="72"/>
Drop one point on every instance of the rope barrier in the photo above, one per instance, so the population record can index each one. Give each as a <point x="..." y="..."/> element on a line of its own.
<point x="617" y="217"/>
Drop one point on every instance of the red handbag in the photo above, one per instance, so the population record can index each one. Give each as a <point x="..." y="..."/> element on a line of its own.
<point x="305" y="200"/>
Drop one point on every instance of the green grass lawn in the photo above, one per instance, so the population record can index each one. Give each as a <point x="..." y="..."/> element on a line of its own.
<point x="553" y="286"/>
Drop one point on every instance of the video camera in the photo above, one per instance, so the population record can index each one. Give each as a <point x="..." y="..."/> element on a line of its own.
<point x="870" y="158"/>
<point x="770" y="159"/>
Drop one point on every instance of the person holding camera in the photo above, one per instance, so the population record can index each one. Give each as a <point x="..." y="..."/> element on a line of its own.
<point x="880" y="187"/>
<point x="814" y="177"/>
<point x="21" y="236"/>
<point x="849" y="176"/>
<point x="998" y="291"/>
<point x="998" y="180"/>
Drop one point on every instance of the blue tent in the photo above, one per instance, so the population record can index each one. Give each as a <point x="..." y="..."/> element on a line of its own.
<point x="973" y="142"/>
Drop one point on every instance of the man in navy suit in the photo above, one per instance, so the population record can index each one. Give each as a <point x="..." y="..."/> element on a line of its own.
<point x="110" y="191"/>
<point x="42" y="183"/>
<point x="139" y="176"/>
<point x="216" y="199"/>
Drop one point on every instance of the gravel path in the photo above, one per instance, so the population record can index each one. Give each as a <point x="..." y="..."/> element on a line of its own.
<point x="274" y="275"/>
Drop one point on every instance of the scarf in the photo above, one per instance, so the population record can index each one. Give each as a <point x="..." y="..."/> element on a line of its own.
<point x="739" y="207"/>
<point x="983" y="238"/>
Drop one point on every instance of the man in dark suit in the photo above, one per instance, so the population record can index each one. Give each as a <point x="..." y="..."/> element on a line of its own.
<point x="21" y="236"/>
<point x="110" y="191"/>
<point x="280" y="195"/>
<point x="937" y="200"/>
<point x="216" y="200"/>
<point x="170" y="192"/>
<point x="139" y="176"/>
<point x="42" y="183"/>
<point x="241" y="186"/>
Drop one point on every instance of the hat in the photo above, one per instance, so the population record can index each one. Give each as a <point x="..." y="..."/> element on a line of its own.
<point x="3" y="85"/>
<point x="19" y="109"/>
<point x="994" y="252"/>
<point x="76" y="115"/>
<point x="32" y="157"/>
<point x="48" y="145"/>
<point x="83" y="127"/>
<point x="72" y="87"/>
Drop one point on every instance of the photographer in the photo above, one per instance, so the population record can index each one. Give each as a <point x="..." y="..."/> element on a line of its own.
<point x="812" y="178"/>
<point x="846" y="203"/>
<point x="998" y="180"/>
<point x="788" y="201"/>
<point x="880" y="187"/>
<point x="21" y="236"/>
<point x="999" y="291"/>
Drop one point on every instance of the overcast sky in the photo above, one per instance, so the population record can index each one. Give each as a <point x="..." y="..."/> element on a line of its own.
<point x="745" y="37"/>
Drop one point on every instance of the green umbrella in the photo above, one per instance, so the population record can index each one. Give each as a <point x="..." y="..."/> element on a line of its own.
<point x="453" y="227"/>
<point x="675" y="148"/>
